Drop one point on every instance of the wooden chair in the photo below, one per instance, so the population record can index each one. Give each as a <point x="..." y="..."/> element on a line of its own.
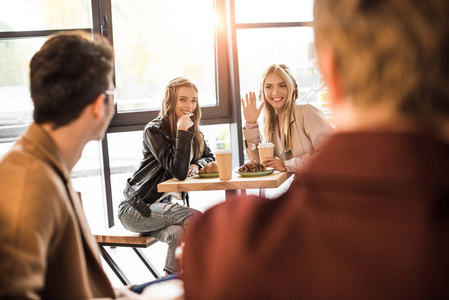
<point x="118" y="236"/>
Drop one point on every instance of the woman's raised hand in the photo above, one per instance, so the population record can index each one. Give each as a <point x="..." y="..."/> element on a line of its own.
<point x="184" y="123"/>
<point x="250" y="111"/>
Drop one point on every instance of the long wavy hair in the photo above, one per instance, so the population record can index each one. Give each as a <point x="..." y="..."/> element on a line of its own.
<point x="168" y="112"/>
<point x="269" y="113"/>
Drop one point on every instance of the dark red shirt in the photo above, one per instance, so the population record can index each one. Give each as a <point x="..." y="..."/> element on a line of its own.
<point x="368" y="219"/>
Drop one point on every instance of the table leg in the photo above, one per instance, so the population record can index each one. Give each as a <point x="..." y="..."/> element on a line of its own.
<point x="242" y="193"/>
<point x="230" y="193"/>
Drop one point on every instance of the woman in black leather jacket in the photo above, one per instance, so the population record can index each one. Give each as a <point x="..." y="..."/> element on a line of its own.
<point x="173" y="146"/>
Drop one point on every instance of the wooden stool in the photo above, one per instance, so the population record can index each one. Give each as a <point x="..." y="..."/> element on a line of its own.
<point x="120" y="237"/>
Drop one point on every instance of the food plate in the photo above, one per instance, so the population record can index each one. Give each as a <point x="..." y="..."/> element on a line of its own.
<point x="251" y="174"/>
<point x="208" y="175"/>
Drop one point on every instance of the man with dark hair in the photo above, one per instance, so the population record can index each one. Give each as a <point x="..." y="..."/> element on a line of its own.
<point x="369" y="217"/>
<point x="46" y="248"/>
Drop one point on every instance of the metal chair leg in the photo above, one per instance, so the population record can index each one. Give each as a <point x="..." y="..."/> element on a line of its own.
<point x="114" y="266"/>
<point x="147" y="263"/>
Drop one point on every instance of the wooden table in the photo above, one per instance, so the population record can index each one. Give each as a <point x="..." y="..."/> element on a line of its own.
<point x="231" y="186"/>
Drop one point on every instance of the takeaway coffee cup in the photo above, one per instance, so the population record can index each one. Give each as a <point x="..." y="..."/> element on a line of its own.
<point x="265" y="150"/>
<point x="224" y="162"/>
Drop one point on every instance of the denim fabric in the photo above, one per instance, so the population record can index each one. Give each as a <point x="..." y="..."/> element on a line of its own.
<point x="167" y="223"/>
<point x="139" y="288"/>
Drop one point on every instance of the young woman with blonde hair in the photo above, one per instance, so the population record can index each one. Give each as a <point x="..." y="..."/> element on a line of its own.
<point x="173" y="146"/>
<point x="297" y="131"/>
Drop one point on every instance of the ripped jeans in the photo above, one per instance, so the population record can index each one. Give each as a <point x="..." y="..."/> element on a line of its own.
<point x="167" y="223"/>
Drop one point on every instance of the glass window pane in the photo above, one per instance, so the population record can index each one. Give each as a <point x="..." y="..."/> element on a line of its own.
<point x="5" y="147"/>
<point x="30" y="15"/>
<point x="217" y="136"/>
<point x="267" y="11"/>
<point x="125" y="153"/>
<point x="15" y="103"/>
<point x="291" y="46"/>
<point x="156" y="41"/>
<point x="86" y="178"/>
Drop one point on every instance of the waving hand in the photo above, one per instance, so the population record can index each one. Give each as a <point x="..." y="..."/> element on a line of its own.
<point x="250" y="111"/>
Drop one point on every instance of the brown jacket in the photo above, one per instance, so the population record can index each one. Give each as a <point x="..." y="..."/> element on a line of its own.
<point x="46" y="248"/>
<point x="368" y="219"/>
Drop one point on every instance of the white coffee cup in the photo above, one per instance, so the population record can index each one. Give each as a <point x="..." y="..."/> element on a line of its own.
<point x="265" y="150"/>
<point x="224" y="163"/>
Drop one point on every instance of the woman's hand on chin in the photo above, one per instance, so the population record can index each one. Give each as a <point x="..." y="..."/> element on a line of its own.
<point x="184" y="122"/>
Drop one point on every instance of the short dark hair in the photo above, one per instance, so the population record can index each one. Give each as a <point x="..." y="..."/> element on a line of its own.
<point x="67" y="74"/>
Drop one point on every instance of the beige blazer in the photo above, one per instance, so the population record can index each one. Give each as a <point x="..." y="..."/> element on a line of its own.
<point x="46" y="248"/>
<point x="310" y="130"/>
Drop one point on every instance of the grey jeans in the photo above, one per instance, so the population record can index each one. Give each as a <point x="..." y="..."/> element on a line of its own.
<point x="167" y="223"/>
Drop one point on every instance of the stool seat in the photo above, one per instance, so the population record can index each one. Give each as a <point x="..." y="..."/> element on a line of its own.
<point x="118" y="236"/>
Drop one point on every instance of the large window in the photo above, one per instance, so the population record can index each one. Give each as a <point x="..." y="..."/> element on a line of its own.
<point x="268" y="11"/>
<point x="24" y="27"/>
<point x="15" y="103"/>
<point x="35" y="15"/>
<point x="156" y="41"/>
<point x="296" y="54"/>
<point x="278" y="34"/>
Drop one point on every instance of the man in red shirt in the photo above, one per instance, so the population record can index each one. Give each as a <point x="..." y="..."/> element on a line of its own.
<point x="369" y="217"/>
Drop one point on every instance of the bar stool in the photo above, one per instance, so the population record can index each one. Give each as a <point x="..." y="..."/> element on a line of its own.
<point x="118" y="236"/>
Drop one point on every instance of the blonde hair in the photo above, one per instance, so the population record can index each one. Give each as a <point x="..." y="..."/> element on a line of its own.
<point x="390" y="51"/>
<point x="168" y="112"/>
<point x="269" y="113"/>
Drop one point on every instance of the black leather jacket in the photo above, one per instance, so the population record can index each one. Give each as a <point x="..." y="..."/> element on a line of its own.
<point x="163" y="158"/>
